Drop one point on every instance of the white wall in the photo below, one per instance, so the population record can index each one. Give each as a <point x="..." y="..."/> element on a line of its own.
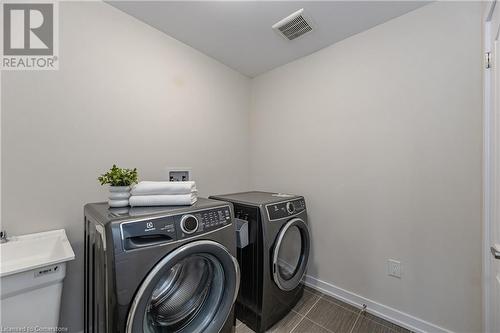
<point x="382" y="135"/>
<point x="126" y="94"/>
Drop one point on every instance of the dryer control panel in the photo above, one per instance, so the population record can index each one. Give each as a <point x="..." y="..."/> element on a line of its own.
<point x="154" y="231"/>
<point x="285" y="209"/>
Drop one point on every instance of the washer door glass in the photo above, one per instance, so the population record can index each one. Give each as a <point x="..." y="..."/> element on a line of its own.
<point x="189" y="292"/>
<point x="194" y="285"/>
<point x="291" y="254"/>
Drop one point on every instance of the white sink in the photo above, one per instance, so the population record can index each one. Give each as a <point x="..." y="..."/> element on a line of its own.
<point x="32" y="270"/>
<point x="27" y="252"/>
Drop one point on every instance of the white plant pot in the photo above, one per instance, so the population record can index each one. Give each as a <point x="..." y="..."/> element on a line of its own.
<point x="118" y="196"/>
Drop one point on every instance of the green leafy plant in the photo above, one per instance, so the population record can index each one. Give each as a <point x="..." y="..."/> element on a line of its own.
<point x="119" y="177"/>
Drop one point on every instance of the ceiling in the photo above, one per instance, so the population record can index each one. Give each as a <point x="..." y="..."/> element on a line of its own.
<point x="239" y="33"/>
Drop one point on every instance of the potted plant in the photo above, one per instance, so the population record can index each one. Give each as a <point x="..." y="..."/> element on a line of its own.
<point x="120" y="180"/>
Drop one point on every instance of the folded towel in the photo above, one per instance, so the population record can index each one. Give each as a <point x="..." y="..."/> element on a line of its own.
<point x="153" y="188"/>
<point x="163" y="200"/>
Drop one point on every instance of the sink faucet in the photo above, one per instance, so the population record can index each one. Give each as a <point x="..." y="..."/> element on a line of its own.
<point x="3" y="236"/>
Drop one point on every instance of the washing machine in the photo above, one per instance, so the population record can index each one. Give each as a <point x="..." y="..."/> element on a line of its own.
<point x="274" y="262"/>
<point x="160" y="269"/>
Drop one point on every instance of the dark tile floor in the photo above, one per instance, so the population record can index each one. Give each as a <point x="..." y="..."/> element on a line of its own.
<point x="320" y="313"/>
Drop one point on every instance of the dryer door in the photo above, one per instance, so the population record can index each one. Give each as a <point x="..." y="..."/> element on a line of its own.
<point x="290" y="254"/>
<point x="192" y="289"/>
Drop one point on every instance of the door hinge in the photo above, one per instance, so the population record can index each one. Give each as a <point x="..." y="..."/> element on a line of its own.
<point x="495" y="252"/>
<point x="487" y="60"/>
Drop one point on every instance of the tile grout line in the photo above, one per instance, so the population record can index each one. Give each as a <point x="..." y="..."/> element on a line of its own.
<point x="392" y="329"/>
<point x="301" y="319"/>
<point x="356" y="321"/>
<point x="324" y="297"/>
<point x="383" y="325"/>
<point x="360" y="312"/>
<point x="303" y="316"/>
<point x="312" y="321"/>
<point x="317" y="324"/>
<point x="333" y="303"/>
<point x="343" y="307"/>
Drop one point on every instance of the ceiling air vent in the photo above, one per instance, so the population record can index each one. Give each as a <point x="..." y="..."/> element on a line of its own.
<point x="293" y="26"/>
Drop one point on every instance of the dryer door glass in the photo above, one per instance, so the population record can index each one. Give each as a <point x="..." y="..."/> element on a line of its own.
<point x="291" y="254"/>
<point x="191" y="290"/>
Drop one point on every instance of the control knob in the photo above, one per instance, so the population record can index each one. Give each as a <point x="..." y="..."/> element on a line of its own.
<point x="189" y="224"/>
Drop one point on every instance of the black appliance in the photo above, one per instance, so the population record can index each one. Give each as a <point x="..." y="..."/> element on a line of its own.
<point x="160" y="269"/>
<point x="274" y="262"/>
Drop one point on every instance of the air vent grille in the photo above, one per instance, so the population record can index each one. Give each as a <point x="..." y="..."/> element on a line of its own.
<point x="293" y="26"/>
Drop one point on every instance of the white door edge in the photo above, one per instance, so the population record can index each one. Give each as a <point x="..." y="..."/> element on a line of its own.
<point x="491" y="132"/>
<point x="488" y="137"/>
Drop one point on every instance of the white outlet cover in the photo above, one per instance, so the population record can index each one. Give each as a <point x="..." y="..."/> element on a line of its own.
<point x="394" y="268"/>
<point x="168" y="170"/>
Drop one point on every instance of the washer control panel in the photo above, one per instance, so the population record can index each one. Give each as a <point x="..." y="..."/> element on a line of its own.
<point x="203" y="221"/>
<point x="285" y="209"/>
<point x="214" y="218"/>
<point x="154" y="231"/>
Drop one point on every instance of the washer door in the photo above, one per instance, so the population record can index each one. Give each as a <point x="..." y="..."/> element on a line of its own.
<point x="291" y="253"/>
<point x="192" y="289"/>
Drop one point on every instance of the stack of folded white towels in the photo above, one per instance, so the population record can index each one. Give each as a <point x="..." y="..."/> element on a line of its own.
<point x="163" y="193"/>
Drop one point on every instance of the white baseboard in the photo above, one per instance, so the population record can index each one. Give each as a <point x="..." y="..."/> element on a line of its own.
<point x="383" y="311"/>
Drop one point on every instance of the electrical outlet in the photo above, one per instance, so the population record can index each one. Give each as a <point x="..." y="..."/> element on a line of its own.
<point x="180" y="174"/>
<point x="394" y="268"/>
